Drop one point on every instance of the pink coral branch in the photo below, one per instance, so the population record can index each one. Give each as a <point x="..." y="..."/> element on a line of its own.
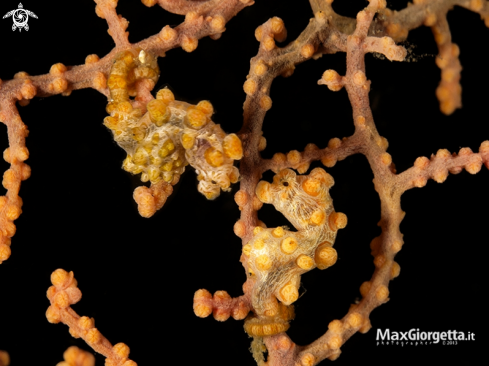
<point x="221" y="305"/>
<point x="117" y="24"/>
<point x="183" y="7"/>
<point x="64" y="293"/>
<point x="449" y="92"/>
<point x="438" y="166"/>
<point x="16" y="154"/>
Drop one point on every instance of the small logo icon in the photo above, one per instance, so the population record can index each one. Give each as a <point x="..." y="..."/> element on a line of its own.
<point x="20" y="17"/>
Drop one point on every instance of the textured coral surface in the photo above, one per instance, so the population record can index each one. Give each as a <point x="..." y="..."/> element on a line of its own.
<point x="138" y="276"/>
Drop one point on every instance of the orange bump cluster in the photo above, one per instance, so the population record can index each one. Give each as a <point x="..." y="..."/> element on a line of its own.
<point x="62" y="294"/>
<point x="278" y="257"/>
<point x="75" y="356"/>
<point x="164" y="135"/>
<point x="221" y="305"/>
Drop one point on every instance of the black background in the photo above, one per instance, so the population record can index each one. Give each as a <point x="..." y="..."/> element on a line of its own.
<point x="138" y="275"/>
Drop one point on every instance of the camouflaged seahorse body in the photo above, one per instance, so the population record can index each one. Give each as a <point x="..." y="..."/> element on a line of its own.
<point x="165" y="135"/>
<point x="278" y="257"/>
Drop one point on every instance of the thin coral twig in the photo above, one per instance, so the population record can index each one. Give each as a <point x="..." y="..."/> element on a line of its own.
<point x="64" y="293"/>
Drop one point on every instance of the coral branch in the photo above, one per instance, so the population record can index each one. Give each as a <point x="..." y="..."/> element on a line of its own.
<point x="221" y="305"/>
<point x="64" y="293"/>
<point x="449" y="92"/>
<point x="183" y="7"/>
<point x="16" y="154"/>
<point x="439" y="165"/>
<point x="199" y="23"/>
<point x="105" y="9"/>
